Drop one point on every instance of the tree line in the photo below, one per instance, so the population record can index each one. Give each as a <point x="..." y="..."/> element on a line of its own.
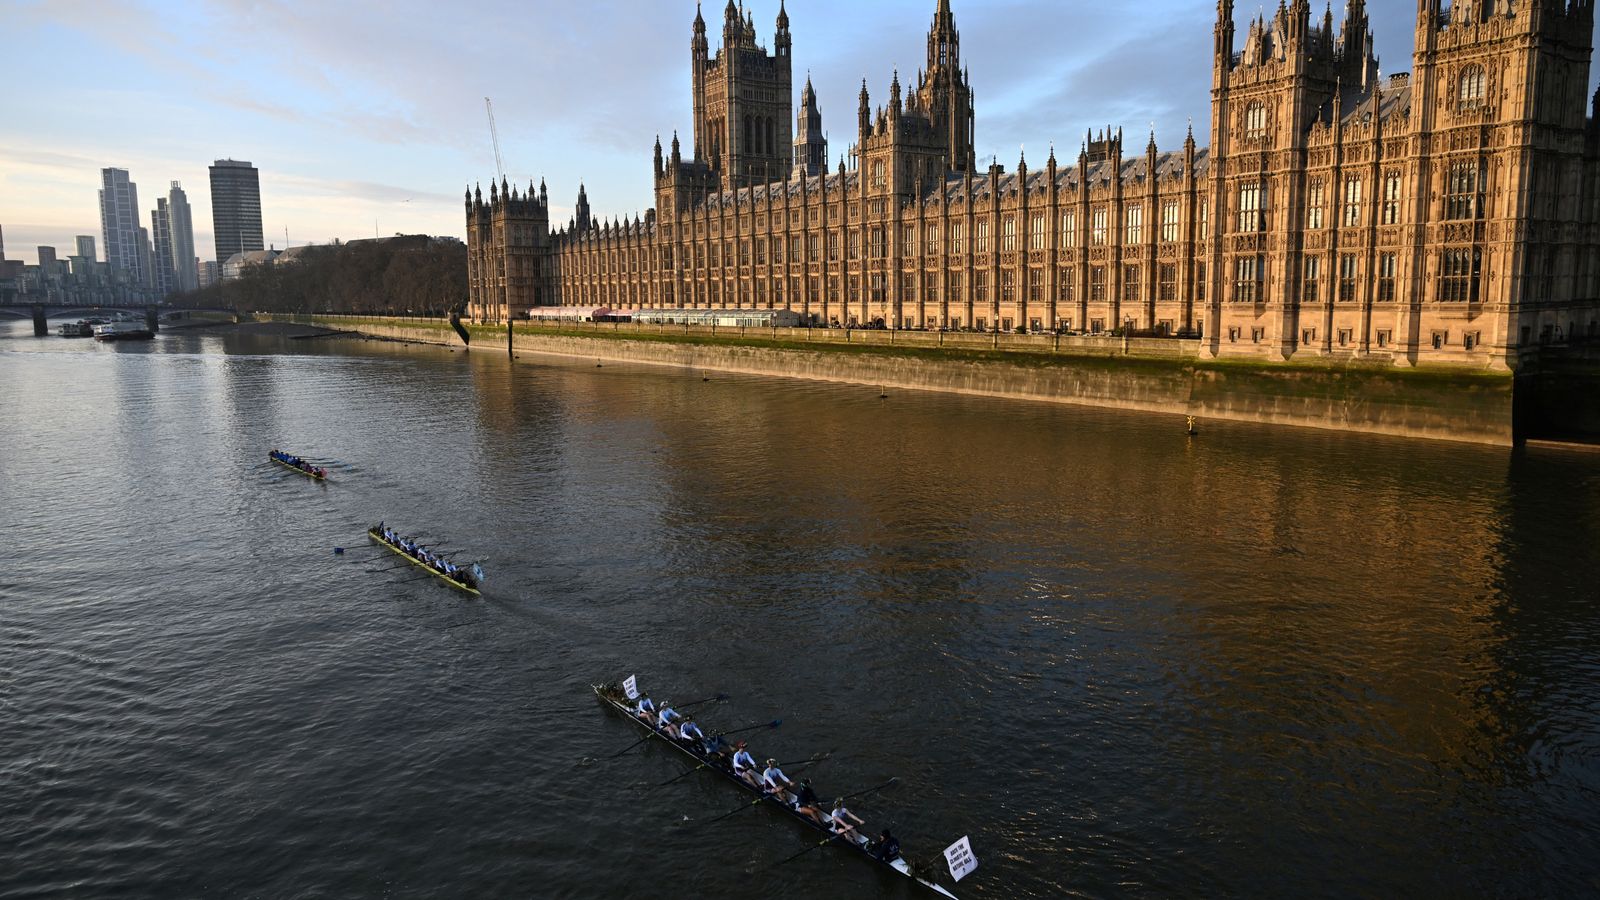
<point x="399" y="276"/>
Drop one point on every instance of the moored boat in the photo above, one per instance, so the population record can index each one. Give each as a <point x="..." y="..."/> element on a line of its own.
<point x="614" y="696"/>
<point x="462" y="578"/>
<point x="78" y="329"/>
<point x="290" y="461"/>
<point x="123" y="331"/>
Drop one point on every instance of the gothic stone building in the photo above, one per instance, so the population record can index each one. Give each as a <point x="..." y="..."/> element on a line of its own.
<point x="1447" y="216"/>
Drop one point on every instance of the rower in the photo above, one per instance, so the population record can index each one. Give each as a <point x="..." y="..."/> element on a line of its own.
<point x="886" y="848"/>
<point x="776" y="782"/>
<point x="845" y="822"/>
<point x="668" y="719"/>
<point x="744" y="765"/>
<point x="805" y="802"/>
<point x="689" y="732"/>
<point x="646" y="710"/>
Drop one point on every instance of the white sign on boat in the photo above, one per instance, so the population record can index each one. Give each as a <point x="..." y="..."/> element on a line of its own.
<point x="959" y="856"/>
<point x="631" y="687"/>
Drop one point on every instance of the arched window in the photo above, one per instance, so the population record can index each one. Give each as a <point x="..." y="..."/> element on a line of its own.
<point x="1470" y="95"/>
<point x="1255" y="120"/>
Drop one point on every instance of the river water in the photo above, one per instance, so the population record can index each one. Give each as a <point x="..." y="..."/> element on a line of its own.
<point x="1261" y="662"/>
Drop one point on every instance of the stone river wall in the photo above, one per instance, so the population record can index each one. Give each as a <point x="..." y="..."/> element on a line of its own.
<point x="1151" y="376"/>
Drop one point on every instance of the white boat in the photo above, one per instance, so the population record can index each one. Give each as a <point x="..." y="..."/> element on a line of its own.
<point x="123" y="331"/>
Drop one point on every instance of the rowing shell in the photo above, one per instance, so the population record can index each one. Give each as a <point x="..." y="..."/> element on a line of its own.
<point x="291" y="468"/>
<point x="422" y="565"/>
<point x="899" y="865"/>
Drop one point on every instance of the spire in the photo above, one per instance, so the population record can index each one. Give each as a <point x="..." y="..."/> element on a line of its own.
<point x="783" y="17"/>
<point x="699" y="20"/>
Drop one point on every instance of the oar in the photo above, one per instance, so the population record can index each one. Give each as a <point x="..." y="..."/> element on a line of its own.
<point x="718" y="698"/>
<point x="773" y="724"/>
<point x="823" y="843"/>
<point x="763" y="797"/>
<point x="802" y="763"/>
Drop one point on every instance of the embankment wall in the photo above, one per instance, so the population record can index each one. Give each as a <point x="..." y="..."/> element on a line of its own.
<point x="1439" y="405"/>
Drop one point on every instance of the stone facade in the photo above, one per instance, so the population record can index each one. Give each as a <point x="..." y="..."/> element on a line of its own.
<point x="1450" y="215"/>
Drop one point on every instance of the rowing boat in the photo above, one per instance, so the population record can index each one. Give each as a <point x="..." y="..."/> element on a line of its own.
<point x="613" y="696"/>
<point x="294" y="468"/>
<point x="458" y="585"/>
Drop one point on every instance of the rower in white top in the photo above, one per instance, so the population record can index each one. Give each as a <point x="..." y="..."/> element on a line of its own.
<point x="646" y="710"/>
<point x="668" y="719"/>
<point x="777" y="783"/>
<point x="844" y="822"/>
<point x="689" y="732"/>
<point x="744" y="765"/>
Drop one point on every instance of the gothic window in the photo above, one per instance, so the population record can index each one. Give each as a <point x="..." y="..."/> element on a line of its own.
<point x="955" y="289"/>
<point x="1134" y="234"/>
<point x="1246" y="279"/>
<point x="794" y="249"/>
<point x="1386" y="267"/>
<point x="1311" y="288"/>
<point x="1459" y="275"/>
<point x="908" y="287"/>
<point x="879" y="178"/>
<point x="1200" y="282"/>
<point x="833" y="248"/>
<point x="855" y="244"/>
<point x="1391" y="198"/>
<point x="908" y="240"/>
<point x="1470" y="95"/>
<point x="1251" y="207"/>
<point x="932" y="240"/>
<point x="1035" y="285"/>
<point x="1131" y="285"/>
<point x="877" y="248"/>
<point x="983" y="238"/>
<point x="1066" y="286"/>
<point x="1352" y="202"/>
<point x="761" y="251"/>
<point x="814" y="249"/>
<point x="980" y="287"/>
<point x="1316" y="200"/>
<point x="1097" y="284"/>
<point x="1170" y="213"/>
<point x="1008" y="286"/>
<point x="1098" y="232"/>
<point x="1168" y="283"/>
<point x="1008" y="234"/>
<point x="1039" y="235"/>
<point x="1205" y="219"/>
<point x="1349" y="266"/>
<point x="958" y="238"/>
<point x="1069" y="229"/>
<point x="1255" y="121"/>
<point x="1461" y="192"/>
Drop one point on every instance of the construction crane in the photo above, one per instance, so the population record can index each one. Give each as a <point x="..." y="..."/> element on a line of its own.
<point x="494" y="135"/>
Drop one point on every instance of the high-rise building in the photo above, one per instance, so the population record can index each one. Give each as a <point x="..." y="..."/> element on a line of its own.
<point x="47" y="260"/>
<point x="2" y="245"/>
<point x="119" y="224"/>
<point x="180" y="226"/>
<point x="86" y="248"/>
<point x="144" y="275"/>
<point x="161" y="230"/>
<point x="235" y="207"/>
<point x="210" y="272"/>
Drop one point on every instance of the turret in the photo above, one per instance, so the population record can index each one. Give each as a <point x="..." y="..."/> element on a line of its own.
<point x="782" y="41"/>
<point x="582" y="209"/>
<point x="1224" y="35"/>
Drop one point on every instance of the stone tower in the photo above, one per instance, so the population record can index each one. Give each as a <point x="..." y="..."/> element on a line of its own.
<point x="946" y="93"/>
<point x="743" y="101"/>
<point x="1500" y="86"/>
<point x="810" y="144"/>
<point x="509" y="249"/>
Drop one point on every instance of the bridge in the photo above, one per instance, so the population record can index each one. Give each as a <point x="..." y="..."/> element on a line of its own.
<point x="27" y="311"/>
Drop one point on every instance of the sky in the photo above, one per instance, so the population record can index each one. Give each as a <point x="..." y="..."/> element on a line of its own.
<point x="368" y="118"/>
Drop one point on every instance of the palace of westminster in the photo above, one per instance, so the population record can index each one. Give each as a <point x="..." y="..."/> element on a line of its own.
<point x="1450" y="215"/>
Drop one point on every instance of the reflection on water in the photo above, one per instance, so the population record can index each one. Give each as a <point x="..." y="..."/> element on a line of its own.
<point x="1258" y="662"/>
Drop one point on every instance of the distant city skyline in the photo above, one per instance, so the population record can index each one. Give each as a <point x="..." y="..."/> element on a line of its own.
<point x="351" y="142"/>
